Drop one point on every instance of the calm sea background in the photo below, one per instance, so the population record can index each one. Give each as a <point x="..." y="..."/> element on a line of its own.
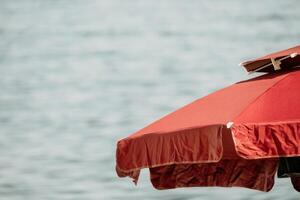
<point x="76" y="76"/>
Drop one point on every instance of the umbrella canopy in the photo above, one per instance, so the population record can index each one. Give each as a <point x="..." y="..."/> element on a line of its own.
<point x="232" y="137"/>
<point x="284" y="59"/>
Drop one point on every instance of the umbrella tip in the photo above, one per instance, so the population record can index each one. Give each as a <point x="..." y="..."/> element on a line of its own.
<point x="229" y="124"/>
<point x="293" y="55"/>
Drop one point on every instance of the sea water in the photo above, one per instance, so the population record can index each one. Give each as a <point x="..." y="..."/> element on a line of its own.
<point x="76" y="76"/>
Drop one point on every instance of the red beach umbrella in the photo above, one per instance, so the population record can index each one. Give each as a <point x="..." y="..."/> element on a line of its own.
<point x="237" y="136"/>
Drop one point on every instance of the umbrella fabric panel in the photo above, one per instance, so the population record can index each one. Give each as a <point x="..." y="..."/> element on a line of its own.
<point x="280" y="103"/>
<point x="296" y="183"/>
<point x="254" y="141"/>
<point x="253" y="174"/>
<point x="188" y="146"/>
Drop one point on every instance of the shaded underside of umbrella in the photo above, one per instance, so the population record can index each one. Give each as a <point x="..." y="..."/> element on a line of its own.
<point x="232" y="137"/>
<point x="284" y="59"/>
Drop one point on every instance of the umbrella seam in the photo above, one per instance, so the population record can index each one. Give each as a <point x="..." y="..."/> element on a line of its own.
<point x="261" y="157"/>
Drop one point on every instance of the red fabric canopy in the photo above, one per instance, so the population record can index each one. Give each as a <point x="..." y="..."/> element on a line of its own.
<point x="232" y="137"/>
<point x="291" y="58"/>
